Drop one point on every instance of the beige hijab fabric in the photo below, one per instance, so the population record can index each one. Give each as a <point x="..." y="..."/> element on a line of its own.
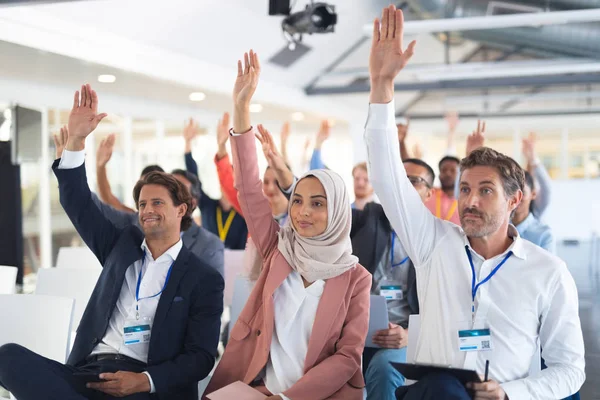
<point x="329" y="254"/>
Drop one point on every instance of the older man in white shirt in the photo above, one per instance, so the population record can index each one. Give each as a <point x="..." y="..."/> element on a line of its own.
<point x="481" y="279"/>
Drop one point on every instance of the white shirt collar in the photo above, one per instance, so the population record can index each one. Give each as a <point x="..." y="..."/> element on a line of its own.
<point x="172" y="252"/>
<point x="516" y="247"/>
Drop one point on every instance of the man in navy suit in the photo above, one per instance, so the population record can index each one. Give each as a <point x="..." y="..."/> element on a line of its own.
<point x="151" y="327"/>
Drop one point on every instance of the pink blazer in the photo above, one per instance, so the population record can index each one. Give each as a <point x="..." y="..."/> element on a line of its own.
<point x="332" y="369"/>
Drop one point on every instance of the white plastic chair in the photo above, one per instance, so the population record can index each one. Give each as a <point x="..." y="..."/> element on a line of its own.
<point x="77" y="257"/>
<point x="241" y="292"/>
<point x="8" y="279"/>
<point x="234" y="266"/>
<point x="75" y="283"/>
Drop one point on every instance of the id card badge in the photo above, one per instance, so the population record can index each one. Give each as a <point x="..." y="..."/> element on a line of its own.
<point x="475" y="340"/>
<point x="137" y="331"/>
<point x="391" y="292"/>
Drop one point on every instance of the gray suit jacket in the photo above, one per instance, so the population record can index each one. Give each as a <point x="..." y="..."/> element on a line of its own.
<point x="200" y="242"/>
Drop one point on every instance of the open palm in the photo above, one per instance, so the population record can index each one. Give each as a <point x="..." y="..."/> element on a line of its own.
<point x="105" y="150"/>
<point x="247" y="80"/>
<point x="476" y="139"/>
<point x="387" y="55"/>
<point x="223" y="130"/>
<point x="84" y="117"/>
<point x="269" y="149"/>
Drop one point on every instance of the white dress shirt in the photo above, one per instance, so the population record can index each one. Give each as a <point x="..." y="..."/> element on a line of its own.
<point x="531" y="300"/>
<point x="154" y="274"/>
<point x="295" y="311"/>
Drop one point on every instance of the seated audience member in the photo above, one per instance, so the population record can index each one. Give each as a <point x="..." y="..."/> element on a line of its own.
<point x="218" y="216"/>
<point x="277" y="200"/>
<point x="303" y="328"/>
<point x="543" y="189"/>
<point x="156" y="341"/>
<point x="529" y="227"/>
<point x="482" y="277"/>
<point x="377" y="247"/>
<point x="443" y="204"/>
<point x="203" y="244"/>
<point x="316" y="161"/>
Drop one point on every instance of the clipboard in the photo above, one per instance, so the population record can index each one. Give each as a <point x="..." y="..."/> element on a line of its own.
<point x="417" y="371"/>
<point x="378" y="318"/>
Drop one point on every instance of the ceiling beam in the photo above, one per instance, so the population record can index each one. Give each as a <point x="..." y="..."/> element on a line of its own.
<point x="440" y="86"/>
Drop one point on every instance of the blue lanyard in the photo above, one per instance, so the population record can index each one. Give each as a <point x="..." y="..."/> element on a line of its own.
<point x="474" y="287"/>
<point x="392" y="253"/>
<point x="139" y="282"/>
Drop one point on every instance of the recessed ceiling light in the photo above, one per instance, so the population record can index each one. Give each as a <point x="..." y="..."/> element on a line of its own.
<point x="197" y="96"/>
<point x="297" y="116"/>
<point x="256" y="108"/>
<point x="107" y="78"/>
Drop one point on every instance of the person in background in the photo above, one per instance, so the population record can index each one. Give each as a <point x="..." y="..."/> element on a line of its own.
<point x="543" y="187"/>
<point x="202" y="243"/>
<point x="378" y="248"/>
<point x="316" y="161"/>
<point x="482" y="281"/>
<point x="301" y="333"/>
<point x="443" y="204"/>
<point x="218" y="216"/>
<point x="277" y="201"/>
<point x="528" y="226"/>
<point x="103" y="156"/>
<point x="155" y="342"/>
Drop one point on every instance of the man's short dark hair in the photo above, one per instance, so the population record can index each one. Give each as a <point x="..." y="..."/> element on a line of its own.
<point x="511" y="173"/>
<point x="423" y="164"/>
<point x="178" y="192"/>
<point x="195" y="189"/>
<point x="448" y="158"/>
<point x="151" y="168"/>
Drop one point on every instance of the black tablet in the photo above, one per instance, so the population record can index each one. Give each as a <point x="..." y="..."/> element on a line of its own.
<point x="417" y="371"/>
<point x="88" y="376"/>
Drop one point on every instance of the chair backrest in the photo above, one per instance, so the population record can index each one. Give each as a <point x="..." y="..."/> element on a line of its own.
<point x="414" y="327"/>
<point x="40" y="323"/>
<point x="241" y="292"/>
<point x="76" y="257"/>
<point x="8" y="279"/>
<point x="75" y="283"/>
<point x="234" y="266"/>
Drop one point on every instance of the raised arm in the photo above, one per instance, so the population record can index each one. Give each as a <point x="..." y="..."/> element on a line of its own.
<point x="402" y="133"/>
<point x="452" y="122"/>
<point x="103" y="155"/>
<point x="75" y="196"/>
<point x="285" y="177"/>
<point x="418" y="230"/>
<point x="190" y="131"/>
<point x="224" y="167"/>
<point x="285" y="135"/>
<point x="539" y="172"/>
<point x="316" y="161"/>
<point x="562" y="347"/>
<point x="255" y="206"/>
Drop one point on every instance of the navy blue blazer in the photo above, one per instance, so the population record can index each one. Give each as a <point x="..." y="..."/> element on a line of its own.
<point x="185" y="332"/>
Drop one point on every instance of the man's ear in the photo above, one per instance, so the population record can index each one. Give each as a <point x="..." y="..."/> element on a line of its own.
<point x="515" y="200"/>
<point x="181" y="210"/>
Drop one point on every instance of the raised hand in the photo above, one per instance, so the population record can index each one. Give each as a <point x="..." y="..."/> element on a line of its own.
<point x="243" y="90"/>
<point x="247" y="80"/>
<point x="388" y="56"/>
<point x="223" y="130"/>
<point x="529" y="147"/>
<point x="403" y="130"/>
<point x="84" y="117"/>
<point x="269" y="149"/>
<point x="476" y="139"/>
<point x="323" y="134"/>
<point x="60" y="141"/>
<point x="105" y="150"/>
<point x="285" y="133"/>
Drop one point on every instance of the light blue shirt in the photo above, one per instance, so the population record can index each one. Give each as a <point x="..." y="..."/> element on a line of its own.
<point x="537" y="233"/>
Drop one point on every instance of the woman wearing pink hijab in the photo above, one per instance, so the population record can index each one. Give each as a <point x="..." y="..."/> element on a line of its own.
<point x="302" y="331"/>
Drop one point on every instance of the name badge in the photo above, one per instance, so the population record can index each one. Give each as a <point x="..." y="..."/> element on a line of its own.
<point x="391" y="292"/>
<point x="137" y="331"/>
<point x="475" y="340"/>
